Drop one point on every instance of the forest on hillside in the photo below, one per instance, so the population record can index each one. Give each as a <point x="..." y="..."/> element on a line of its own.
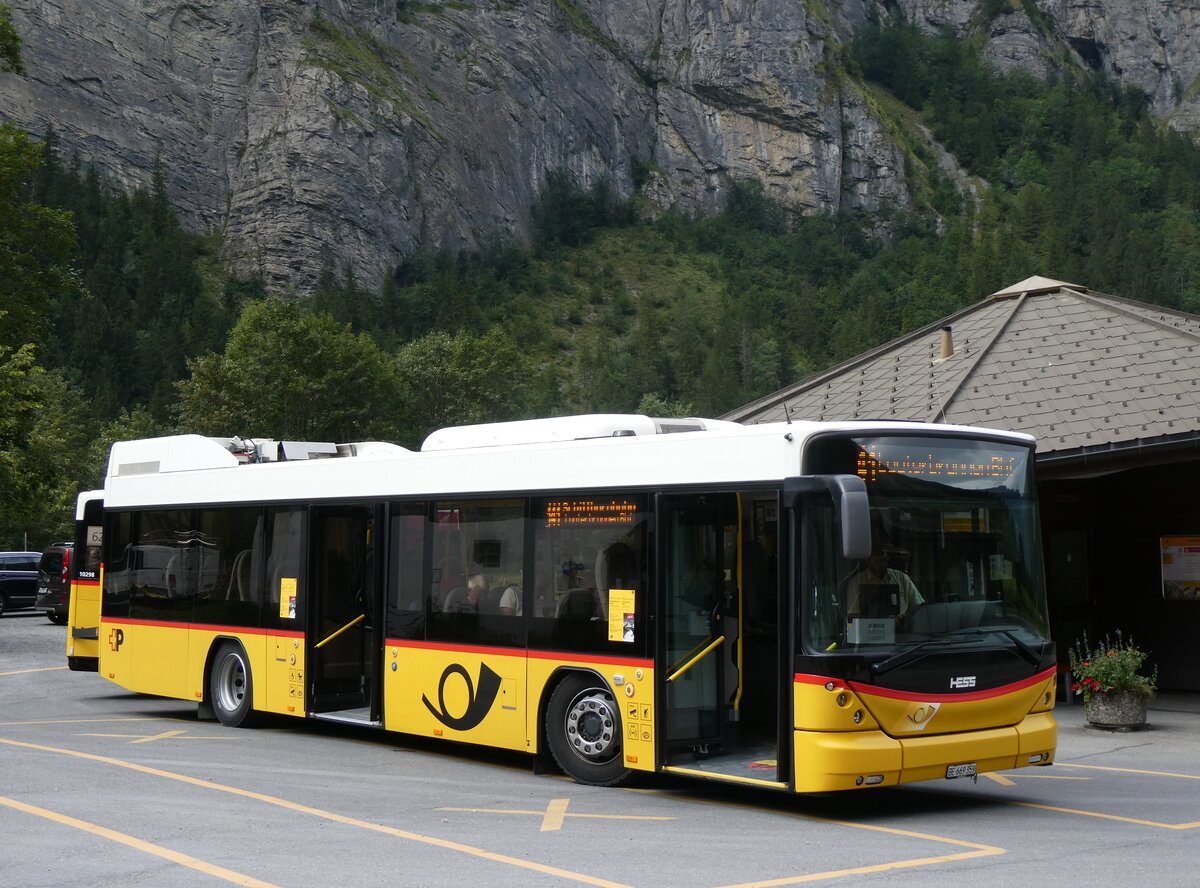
<point x="115" y="322"/>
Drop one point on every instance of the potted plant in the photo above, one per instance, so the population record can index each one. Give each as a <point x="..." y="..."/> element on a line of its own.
<point x="1110" y="680"/>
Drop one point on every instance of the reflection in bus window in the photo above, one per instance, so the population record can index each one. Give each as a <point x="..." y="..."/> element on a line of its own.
<point x="478" y="550"/>
<point x="588" y="589"/>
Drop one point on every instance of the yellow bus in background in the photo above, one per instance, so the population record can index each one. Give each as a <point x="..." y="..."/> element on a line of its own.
<point x="801" y="606"/>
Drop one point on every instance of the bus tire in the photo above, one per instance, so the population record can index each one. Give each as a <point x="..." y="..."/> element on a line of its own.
<point x="583" y="731"/>
<point x="231" y="687"/>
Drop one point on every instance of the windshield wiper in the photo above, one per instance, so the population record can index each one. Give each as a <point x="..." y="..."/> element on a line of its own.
<point x="902" y="657"/>
<point x="908" y="655"/>
<point x="1028" y="651"/>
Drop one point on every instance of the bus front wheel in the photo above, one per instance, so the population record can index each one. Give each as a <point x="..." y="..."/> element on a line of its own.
<point x="583" y="730"/>
<point x="231" y="687"/>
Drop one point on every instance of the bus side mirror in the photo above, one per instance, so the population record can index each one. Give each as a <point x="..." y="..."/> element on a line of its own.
<point x="849" y="504"/>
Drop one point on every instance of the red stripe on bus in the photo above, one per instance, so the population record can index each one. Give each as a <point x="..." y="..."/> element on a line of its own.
<point x="948" y="697"/>
<point x="480" y="650"/>
<point x="205" y="627"/>
<point x="95" y="583"/>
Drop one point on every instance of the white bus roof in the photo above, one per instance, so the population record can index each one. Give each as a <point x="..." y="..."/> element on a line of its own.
<point x="192" y="469"/>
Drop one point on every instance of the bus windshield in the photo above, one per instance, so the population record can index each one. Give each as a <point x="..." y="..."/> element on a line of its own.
<point x="955" y="554"/>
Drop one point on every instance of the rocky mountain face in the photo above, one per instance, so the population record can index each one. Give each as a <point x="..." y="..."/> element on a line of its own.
<point x="365" y="129"/>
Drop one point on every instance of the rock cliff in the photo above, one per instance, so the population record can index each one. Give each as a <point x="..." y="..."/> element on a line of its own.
<point x="368" y="128"/>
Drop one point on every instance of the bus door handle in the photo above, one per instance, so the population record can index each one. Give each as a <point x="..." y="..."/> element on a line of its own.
<point x="328" y="638"/>
<point x="708" y="649"/>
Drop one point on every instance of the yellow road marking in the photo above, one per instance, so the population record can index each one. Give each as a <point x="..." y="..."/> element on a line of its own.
<point x="977" y="850"/>
<point x="999" y="778"/>
<point x="150" y="738"/>
<point x="985" y="851"/>
<point x="550" y="814"/>
<point x="1131" y="771"/>
<point x="103" y="832"/>
<point x="445" y="844"/>
<point x="1117" y="817"/>
<point x="1050" y="777"/>
<point x="94" y="721"/>
<point x="555" y="812"/>
<point x="27" y="671"/>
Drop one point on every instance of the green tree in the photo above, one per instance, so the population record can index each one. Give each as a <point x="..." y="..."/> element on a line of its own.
<point x="43" y="452"/>
<point x="287" y="373"/>
<point x="36" y="245"/>
<point x="452" y="380"/>
<point x="10" y="43"/>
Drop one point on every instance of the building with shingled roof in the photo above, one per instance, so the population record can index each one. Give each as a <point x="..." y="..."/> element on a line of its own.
<point x="1111" y="390"/>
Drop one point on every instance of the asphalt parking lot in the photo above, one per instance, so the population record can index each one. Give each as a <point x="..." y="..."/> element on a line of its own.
<point x="99" y="786"/>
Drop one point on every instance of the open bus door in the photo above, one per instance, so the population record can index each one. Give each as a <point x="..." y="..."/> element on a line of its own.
<point x="345" y="632"/>
<point x="721" y="652"/>
<point x="83" y="608"/>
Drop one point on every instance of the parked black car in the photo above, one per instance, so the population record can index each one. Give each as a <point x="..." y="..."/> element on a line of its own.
<point x="18" y="580"/>
<point x="54" y="582"/>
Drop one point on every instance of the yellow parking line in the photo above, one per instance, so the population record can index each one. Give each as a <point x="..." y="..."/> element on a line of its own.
<point x="1131" y="771"/>
<point x="1101" y="815"/>
<point x="543" y="814"/>
<point x="985" y="851"/>
<point x="27" y="671"/>
<point x="326" y="815"/>
<point x="555" y="812"/>
<point x="209" y="869"/>
<point x="999" y="778"/>
<point x="977" y="849"/>
<point x="94" y="721"/>
<point x="150" y="738"/>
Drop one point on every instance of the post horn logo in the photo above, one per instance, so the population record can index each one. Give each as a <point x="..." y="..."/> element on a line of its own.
<point x="479" y="700"/>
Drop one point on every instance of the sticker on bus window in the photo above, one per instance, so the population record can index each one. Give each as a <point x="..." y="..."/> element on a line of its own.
<point x="621" y="611"/>
<point x="287" y="598"/>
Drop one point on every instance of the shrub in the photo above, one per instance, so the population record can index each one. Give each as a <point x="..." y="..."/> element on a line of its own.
<point x="1110" y="667"/>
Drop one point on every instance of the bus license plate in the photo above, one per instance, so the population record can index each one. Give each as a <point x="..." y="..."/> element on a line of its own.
<point x="967" y="770"/>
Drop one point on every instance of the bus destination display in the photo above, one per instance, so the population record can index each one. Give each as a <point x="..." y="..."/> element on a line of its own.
<point x="875" y="461"/>
<point x="590" y="513"/>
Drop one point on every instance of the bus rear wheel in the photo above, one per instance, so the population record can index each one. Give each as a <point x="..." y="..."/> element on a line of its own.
<point x="231" y="687"/>
<point x="583" y="730"/>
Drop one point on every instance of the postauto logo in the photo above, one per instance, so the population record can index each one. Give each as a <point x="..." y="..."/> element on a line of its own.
<point x="479" y="698"/>
<point x="116" y="638"/>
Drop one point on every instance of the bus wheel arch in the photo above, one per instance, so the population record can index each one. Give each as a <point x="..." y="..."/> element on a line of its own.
<point x="581" y="722"/>
<point x="229" y="686"/>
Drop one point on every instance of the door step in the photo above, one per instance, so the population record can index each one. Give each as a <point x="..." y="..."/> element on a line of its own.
<point x="349" y="717"/>
<point x="725" y="778"/>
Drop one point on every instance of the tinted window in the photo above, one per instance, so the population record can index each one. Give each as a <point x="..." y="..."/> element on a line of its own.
<point x="406" y="580"/>
<point x="284" y="599"/>
<point x="589" y="584"/>
<point x="478" y="550"/>
<point x="230" y="561"/>
<point x="121" y="558"/>
<point x="51" y="563"/>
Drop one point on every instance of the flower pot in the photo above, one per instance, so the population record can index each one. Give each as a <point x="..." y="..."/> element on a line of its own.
<point x="1116" y="710"/>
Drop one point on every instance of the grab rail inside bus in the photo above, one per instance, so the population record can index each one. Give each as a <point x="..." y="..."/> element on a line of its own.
<point x="712" y="646"/>
<point x="328" y="638"/>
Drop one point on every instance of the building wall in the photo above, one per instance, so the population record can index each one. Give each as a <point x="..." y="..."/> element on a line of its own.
<point x="1102" y="548"/>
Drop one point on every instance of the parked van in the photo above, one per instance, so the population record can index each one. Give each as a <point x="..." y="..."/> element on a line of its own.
<point x="54" y="582"/>
<point x="18" y="580"/>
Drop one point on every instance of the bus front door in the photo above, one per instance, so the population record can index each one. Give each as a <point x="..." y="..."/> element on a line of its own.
<point x="343" y="634"/>
<point x="693" y="661"/>
<point x="719" y="655"/>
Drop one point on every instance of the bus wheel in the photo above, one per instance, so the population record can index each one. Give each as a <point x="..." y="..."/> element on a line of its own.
<point x="230" y="687"/>
<point x="583" y="729"/>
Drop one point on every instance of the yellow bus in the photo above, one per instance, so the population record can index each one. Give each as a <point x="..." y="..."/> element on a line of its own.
<point x="802" y="606"/>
